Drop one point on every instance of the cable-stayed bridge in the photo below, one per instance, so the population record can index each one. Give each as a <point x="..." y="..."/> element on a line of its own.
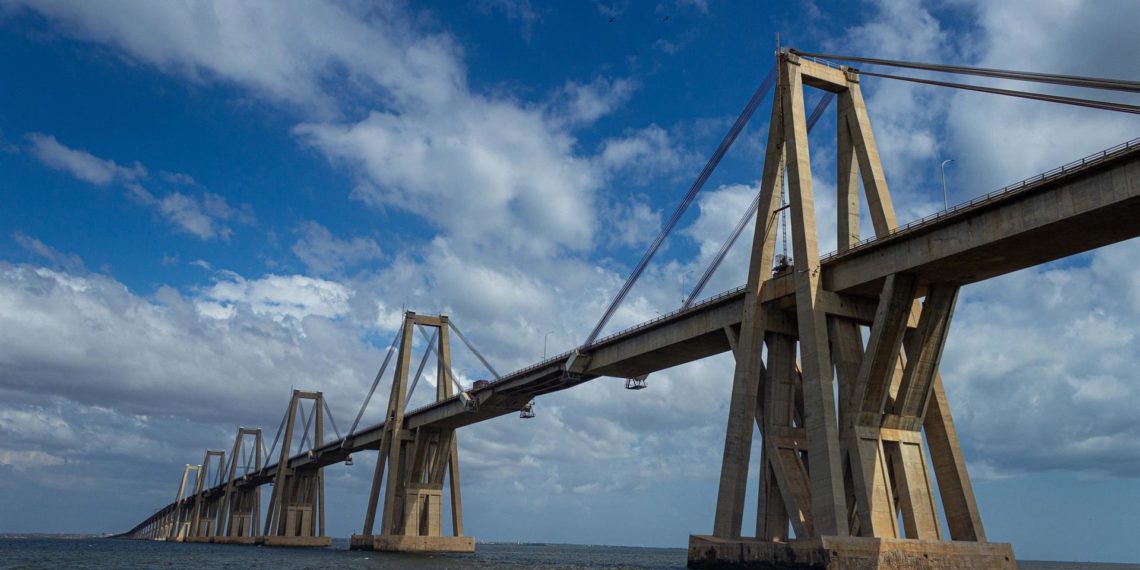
<point x="837" y="361"/>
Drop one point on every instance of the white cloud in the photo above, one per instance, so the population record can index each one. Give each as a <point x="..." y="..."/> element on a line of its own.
<point x="43" y="428"/>
<point x="202" y="217"/>
<point x="643" y="154"/>
<point x="67" y="261"/>
<point x="578" y="104"/>
<point x="28" y="459"/>
<point x="177" y="178"/>
<point x="323" y="253"/>
<point x="288" y="53"/>
<point x="93" y="342"/>
<point x="1041" y="365"/>
<point x="489" y="173"/>
<point x="279" y="296"/>
<point x="633" y="224"/>
<point x="80" y="163"/>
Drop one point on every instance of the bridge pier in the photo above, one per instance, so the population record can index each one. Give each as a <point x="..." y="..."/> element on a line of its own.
<point x="241" y="504"/>
<point x="296" y="515"/>
<point x="206" y="506"/>
<point x="417" y="462"/>
<point x="839" y="468"/>
<point x="178" y="521"/>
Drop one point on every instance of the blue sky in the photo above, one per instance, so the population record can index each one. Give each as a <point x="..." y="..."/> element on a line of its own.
<point x="207" y="203"/>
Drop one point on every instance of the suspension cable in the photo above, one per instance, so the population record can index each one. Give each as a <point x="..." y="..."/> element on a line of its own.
<point x="375" y="382"/>
<point x="447" y="369"/>
<point x="420" y="370"/>
<point x="816" y="113"/>
<point x="1090" y="103"/>
<point x="246" y="458"/>
<point x="226" y="469"/>
<point x="1069" y="80"/>
<point x="478" y="355"/>
<point x="222" y="473"/>
<point x="306" y="421"/>
<point x="698" y="184"/>
<point x="331" y="419"/>
<point x="278" y="436"/>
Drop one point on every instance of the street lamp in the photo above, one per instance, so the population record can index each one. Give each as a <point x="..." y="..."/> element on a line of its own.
<point x="546" y="336"/>
<point x="945" y="200"/>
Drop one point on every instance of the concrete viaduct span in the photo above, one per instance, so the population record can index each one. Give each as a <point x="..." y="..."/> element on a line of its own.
<point x="837" y="363"/>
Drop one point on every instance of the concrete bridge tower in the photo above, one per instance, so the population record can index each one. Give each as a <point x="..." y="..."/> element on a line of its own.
<point x="417" y="461"/>
<point x="840" y="466"/>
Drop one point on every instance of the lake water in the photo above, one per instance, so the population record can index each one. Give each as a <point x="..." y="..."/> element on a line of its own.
<point x="103" y="553"/>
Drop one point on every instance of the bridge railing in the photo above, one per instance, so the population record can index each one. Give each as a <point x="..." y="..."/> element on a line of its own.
<point x="1027" y="184"/>
<point x="671" y="314"/>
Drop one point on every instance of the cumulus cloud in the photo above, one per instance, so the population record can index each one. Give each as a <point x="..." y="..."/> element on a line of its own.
<point x="279" y="296"/>
<point x="643" y="154"/>
<point x="577" y="103"/>
<point x="288" y="54"/>
<point x="323" y="252"/>
<point x="67" y="261"/>
<point x="80" y="163"/>
<point x="1031" y="406"/>
<point x="633" y="224"/>
<point x="28" y="459"/>
<point x="91" y="340"/>
<point x="487" y="172"/>
<point x="203" y="217"/>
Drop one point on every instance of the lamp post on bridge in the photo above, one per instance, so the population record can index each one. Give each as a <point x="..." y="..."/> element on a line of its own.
<point x="546" y="336"/>
<point x="945" y="199"/>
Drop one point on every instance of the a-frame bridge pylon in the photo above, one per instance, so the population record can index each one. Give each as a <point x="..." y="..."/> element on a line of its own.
<point x="837" y="475"/>
<point x="412" y="464"/>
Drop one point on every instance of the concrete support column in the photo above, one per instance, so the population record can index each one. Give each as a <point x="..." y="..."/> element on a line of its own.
<point x="412" y="465"/>
<point x="297" y="504"/>
<point x="840" y="464"/>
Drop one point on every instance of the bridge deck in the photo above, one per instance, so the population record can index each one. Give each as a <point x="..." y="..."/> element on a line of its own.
<point x="1076" y="208"/>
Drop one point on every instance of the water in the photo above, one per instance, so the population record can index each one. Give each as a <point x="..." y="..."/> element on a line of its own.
<point x="102" y="553"/>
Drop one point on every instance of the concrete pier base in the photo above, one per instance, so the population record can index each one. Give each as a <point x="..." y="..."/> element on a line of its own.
<point x="413" y="544"/>
<point x="297" y="541"/>
<point x="236" y="539"/>
<point x="848" y="553"/>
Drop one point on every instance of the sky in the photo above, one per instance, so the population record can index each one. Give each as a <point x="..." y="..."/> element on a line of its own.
<point x="207" y="204"/>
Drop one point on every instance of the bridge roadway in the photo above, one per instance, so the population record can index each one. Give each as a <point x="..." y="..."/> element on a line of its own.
<point x="1076" y="208"/>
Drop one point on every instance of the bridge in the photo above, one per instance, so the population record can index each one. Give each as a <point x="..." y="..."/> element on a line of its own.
<point x="837" y="475"/>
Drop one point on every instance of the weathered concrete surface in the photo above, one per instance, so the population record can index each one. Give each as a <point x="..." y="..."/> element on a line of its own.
<point x="235" y="539"/>
<point x="848" y="553"/>
<point x="297" y="541"/>
<point x="413" y="544"/>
